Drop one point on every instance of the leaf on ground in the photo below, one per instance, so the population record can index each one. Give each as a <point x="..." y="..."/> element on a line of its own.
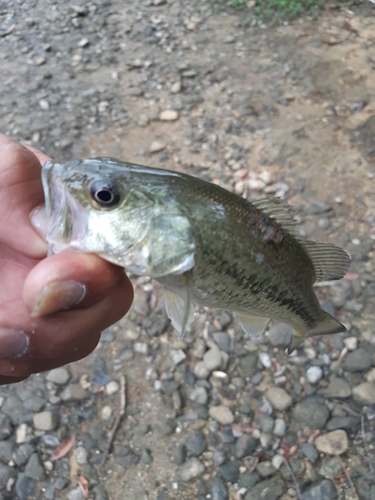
<point x="64" y="448"/>
<point x="84" y="485"/>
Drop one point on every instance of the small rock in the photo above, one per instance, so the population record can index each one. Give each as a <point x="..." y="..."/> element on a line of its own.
<point x="5" y="474"/>
<point x="265" y="359"/>
<point x="279" y="398"/>
<point x="176" y="87"/>
<point x="199" y="395"/>
<point x="324" y="490"/>
<point x="81" y="455"/>
<point x="279" y="428"/>
<point x="177" y="356"/>
<point x="76" y="494"/>
<point x="156" y="146"/>
<point x="221" y="414"/>
<point x="33" y="468"/>
<point x="24" y="486"/>
<point x="314" y="374"/>
<point x="169" y="115"/>
<point x="265" y="469"/>
<point x="112" y="387"/>
<point x="200" y="370"/>
<point x="212" y="359"/>
<point x="280" y="334"/>
<point x="277" y="461"/>
<point x="330" y="468"/>
<point x="245" y="446"/>
<point x="269" y="489"/>
<point x="369" y="376"/>
<point x="23" y="453"/>
<point x="158" y="2"/>
<point x="196" y="443"/>
<point x="230" y="471"/>
<point x="332" y="443"/>
<point x="74" y="392"/>
<point x="337" y="388"/>
<point x="310" y="452"/>
<point x="218" y="489"/>
<point x="191" y="469"/>
<point x="351" y="343"/>
<point x="106" y="412"/>
<point x="364" y="393"/>
<point x="45" y="421"/>
<point x="358" y="360"/>
<point x="59" y="376"/>
<point x="311" y="412"/>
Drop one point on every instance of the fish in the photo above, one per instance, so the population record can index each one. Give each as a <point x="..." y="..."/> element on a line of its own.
<point x="204" y="244"/>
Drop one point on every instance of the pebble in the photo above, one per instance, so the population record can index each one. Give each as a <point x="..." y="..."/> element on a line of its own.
<point x="221" y="414"/>
<point x="310" y="452"/>
<point x="269" y="489"/>
<point x="279" y="398"/>
<point x="314" y="374"/>
<point x="311" y="412"/>
<point x="280" y="334"/>
<point x="265" y="469"/>
<point x="337" y="388"/>
<point x="230" y="471"/>
<point x="112" y="387"/>
<point x="218" y="489"/>
<point x="330" y="468"/>
<point x="177" y="356"/>
<point x="196" y="443"/>
<point x="6" y="449"/>
<point x="199" y="395"/>
<point x="332" y="443"/>
<point x="74" y="392"/>
<point x="169" y="115"/>
<point x="24" y="486"/>
<point x="157" y="146"/>
<point x="265" y="359"/>
<point x="323" y="490"/>
<point x="351" y="343"/>
<point x="81" y="455"/>
<point x="212" y="359"/>
<point x="279" y="428"/>
<point x="59" y="376"/>
<point x="190" y="469"/>
<point x="364" y="393"/>
<point x="200" y="370"/>
<point x="358" y="360"/>
<point x="76" y="494"/>
<point x="34" y="468"/>
<point x="245" y="446"/>
<point x="370" y="375"/>
<point x="277" y="461"/>
<point x="45" y="421"/>
<point x="106" y="412"/>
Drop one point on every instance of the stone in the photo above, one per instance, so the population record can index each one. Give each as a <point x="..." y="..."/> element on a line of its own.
<point x="74" y="392"/>
<point x="314" y="374"/>
<point x="269" y="489"/>
<point x="221" y="414"/>
<point x="364" y="393"/>
<point x="76" y="494"/>
<point x="177" y="356"/>
<point x="324" y="490"/>
<point x="279" y="398"/>
<point x="5" y="474"/>
<point x="59" y="376"/>
<point x="370" y="375"/>
<point x="45" y="421"/>
<point x="332" y="443"/>
<point x="179" y="454"/>
<point x="337" y="388"/>
<point x="248" y="479"/>
<point x="13" y="407"/>
<point x="33" y="468"/>
<point x="311" y="413"/>
<point x="112" y="387"/>
<point x="196" y="443"/>
<point x="310" y="452"/>
<point x="6" y="450"/>
<point x="358" y="360"/>
<point x="343" y="423"/>
<point x="280" y="334"/>
<point x="169" y="115"/>
<point x="157" y="146"/>
<point x="200" y="370"/>
<point x="81" y="455"/>
<point x="265" y="469"/>
<point x="24" y="486"/>
<point x="245" y="446"/>
<point x="5" y="427"/>
<point x="190" y="469"/>
<point x="230" y="471"/>
<point x="212" y="359"/>
<point x="330" y="468"/>
<point x="199" y="395"/>
<point x="23" y="453"/>
<point x="218" y="489"/>
<point x="279" y="427"/>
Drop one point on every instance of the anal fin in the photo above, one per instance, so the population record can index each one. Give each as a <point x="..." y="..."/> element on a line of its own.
<point x="179" y="309"/>
<point x="253" y="325"/>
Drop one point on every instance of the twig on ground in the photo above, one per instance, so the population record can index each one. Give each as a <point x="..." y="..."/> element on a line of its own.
<point x="346" y="472"/>
<point x="117" y="421"/>
<point x="365" y="443"/>
<point x="290" y="470"/>
<point x="347" y="408"/>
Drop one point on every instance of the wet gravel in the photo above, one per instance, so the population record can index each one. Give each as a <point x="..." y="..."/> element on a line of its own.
<point x="259" y="110"/>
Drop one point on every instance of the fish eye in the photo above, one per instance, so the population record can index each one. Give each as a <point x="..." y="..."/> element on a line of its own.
<point x="105" y="193"/>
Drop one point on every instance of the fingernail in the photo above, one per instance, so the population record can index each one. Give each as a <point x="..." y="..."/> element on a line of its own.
<point x="12" y="343"/>
<point x="38" y="219"/>
<point x="58" y="296"/>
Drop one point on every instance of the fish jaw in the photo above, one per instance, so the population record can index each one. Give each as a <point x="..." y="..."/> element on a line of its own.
<point x="66" y="219"/>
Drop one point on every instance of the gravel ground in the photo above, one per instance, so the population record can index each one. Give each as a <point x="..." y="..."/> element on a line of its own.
<point x="256" y="109"/>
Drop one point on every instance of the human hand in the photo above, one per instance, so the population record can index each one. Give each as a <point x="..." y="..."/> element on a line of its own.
<point x="53" y="309"/>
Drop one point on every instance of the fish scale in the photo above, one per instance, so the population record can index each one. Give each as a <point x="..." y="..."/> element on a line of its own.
<point x="205" y="244"/>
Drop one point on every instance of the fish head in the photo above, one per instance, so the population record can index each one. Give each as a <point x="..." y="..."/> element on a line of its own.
<point x="105" y="207"/>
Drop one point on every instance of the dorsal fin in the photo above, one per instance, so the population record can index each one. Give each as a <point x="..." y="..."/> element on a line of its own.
<point x="278" y="210"/>
<point x="329" y="262"/>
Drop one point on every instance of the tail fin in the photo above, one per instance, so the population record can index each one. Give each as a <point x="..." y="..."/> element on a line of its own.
<point x="327" y="326"/>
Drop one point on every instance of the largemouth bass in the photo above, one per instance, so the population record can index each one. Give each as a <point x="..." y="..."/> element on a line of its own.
<point x="205" y="244"/>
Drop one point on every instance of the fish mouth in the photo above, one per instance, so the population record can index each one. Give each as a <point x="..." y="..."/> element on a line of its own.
<point x="59" y="221"/>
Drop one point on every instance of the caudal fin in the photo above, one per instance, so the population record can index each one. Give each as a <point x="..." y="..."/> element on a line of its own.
<point x="327" y="326"/>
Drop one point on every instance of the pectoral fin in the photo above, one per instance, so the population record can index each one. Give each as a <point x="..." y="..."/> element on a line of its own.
<point x="253" y="325"/>
<point x="179" y="309"/>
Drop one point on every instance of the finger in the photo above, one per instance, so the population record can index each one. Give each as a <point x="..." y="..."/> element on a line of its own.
<point x="42" y="157"/>
<point x="62" y="337"/>
<point x="70" y="279"/>
<point x="21" y="192"/>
